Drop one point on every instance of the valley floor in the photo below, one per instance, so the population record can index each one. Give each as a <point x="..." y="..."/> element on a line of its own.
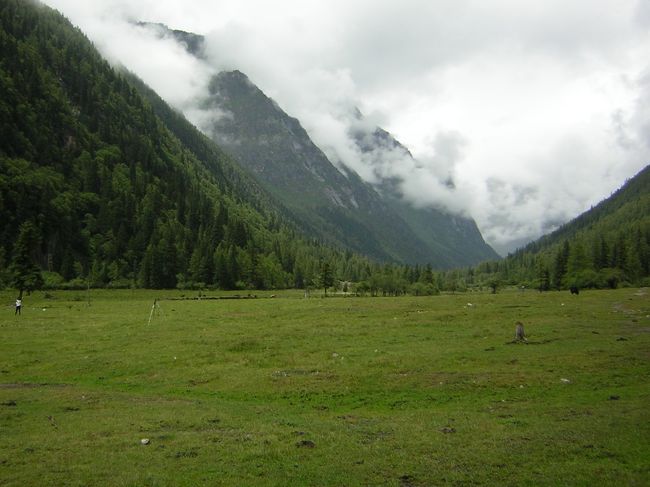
<point x="402" y="391"/>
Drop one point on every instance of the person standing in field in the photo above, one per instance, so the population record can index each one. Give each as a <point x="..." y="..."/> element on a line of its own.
<point x="19" y="304"/>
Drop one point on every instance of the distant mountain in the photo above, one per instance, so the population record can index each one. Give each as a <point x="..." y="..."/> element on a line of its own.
<point x="605" y="246"/>
<point x="333" y="204"/>
<point x="336" y="207"/>
<point x="452" y="239"/>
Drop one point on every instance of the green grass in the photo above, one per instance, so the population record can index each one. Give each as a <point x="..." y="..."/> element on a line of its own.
<point x="337" y="391"/>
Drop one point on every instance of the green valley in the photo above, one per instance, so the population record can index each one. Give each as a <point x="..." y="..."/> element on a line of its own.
<point x="336" y="391"/>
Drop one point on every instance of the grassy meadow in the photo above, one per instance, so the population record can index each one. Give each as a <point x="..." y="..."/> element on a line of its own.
<point x="409" y="391"/>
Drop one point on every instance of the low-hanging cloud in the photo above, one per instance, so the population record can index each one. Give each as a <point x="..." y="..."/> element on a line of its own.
<point x="164" y="64"/>
<point x="519" y="115"/>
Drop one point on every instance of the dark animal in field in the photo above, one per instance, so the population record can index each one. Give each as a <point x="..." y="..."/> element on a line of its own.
<point x="519" y="332"/>
<point x="574" y="290"/>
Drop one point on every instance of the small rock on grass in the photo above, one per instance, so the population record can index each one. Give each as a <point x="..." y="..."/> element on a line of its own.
<point x="306" y="444"/>
<point x="406" y="481"/>
<point x="145" y="441"/>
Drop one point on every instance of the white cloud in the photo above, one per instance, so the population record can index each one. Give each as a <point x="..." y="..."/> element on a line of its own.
<point x="162" y="63"/>
<point x="536" y="110"/>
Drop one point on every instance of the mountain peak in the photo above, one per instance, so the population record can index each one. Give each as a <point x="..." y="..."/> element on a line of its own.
<point x="193" y="43"/>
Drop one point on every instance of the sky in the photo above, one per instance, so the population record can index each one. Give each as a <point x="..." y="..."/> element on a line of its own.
<point x="535" y="110"/>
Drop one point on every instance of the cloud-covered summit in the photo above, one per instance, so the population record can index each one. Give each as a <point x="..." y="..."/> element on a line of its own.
<point x="534" y="111"/>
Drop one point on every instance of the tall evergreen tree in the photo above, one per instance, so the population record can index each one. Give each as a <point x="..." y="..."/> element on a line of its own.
<point x="326" y="277"/>
<point x="544" y="277"/>
<point x="25" y="273"/>
<point x="561" y="262"/>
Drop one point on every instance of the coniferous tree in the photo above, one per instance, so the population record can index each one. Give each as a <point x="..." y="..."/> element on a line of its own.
<point x="561" y="262"/>
<point x="25" y="273"/>
<point x="544" y="278"/>
<point x="325" y="277"/>
<point x="632" y="268"/>
<point x="600" y="253"/>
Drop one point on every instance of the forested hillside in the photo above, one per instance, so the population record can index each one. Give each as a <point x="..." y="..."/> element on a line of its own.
<point x="95" y="189"/>
<point x="331" y="203"/>
<point x="606" y="246"/>
<point x="334" y="207"/>
<point x="334" y="203"/>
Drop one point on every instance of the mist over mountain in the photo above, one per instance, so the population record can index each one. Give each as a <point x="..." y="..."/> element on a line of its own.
<point x="103" y="184"/>
<point x="449" y="234"/>
<point x="604" y="247"/>
<point x="536" y="114"/>
<point x="330" y="198"/>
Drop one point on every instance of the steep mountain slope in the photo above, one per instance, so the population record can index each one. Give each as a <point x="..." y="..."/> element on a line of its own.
<point x="95" y="187"/>
<point x="276" y="149"/>
<point x="334" y="204"/>
<point x="629" y="205"/>
<point x="452" y="239"/>
<point x="604" y="246"/>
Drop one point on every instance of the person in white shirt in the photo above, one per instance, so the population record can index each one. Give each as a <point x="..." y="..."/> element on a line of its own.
<point x="19" y="304"/>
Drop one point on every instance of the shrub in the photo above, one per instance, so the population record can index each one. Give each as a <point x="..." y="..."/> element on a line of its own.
<point x="52" y="280"/>
<point x="76" y="284"/>
<point x="610" y="277"/>
<point x="422" y="289"/>
<point x="121" y="284"/>
<point x="584" y="279"/>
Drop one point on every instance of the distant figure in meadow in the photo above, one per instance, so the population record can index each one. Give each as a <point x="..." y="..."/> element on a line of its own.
<point x="19" y="304"/>
<point x="519" y="332"/>
<point x="574" y="290"/>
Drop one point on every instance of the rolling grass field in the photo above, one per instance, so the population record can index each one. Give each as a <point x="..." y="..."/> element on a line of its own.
<point x="410" y="391"/>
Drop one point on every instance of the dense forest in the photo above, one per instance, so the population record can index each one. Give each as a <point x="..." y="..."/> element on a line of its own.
<point x="96" y="190"/>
